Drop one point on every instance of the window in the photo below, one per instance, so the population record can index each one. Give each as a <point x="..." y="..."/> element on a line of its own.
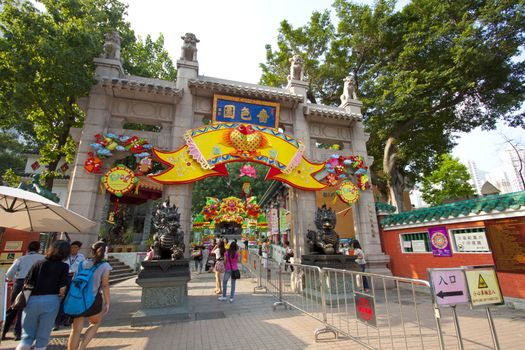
<point x="415" y="242"/>
<point x="469" y="240"/>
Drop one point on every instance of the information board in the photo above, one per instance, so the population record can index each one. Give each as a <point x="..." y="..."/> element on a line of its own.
<point x="483" y="286"/>
<point x="507" y="242"/>
<point x="449" y="286"/>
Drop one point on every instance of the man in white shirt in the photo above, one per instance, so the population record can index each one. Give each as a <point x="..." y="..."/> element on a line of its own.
<point x="75" y="258"/>
<point x="17" y="273"/>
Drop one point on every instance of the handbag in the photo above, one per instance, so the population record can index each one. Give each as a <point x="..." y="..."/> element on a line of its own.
<point x="236" y="274"/>
<point x="197" y="253"/>
<point x="21" y="299"/>
<point x="219" y="266"/>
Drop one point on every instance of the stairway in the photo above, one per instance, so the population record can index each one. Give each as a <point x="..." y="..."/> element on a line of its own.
<point x="120" y="272"/>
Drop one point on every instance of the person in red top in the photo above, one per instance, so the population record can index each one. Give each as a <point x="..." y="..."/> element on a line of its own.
<point x="230" y="264"/>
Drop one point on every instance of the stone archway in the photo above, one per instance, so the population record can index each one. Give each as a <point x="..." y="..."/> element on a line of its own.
<point x="176" y="107"/>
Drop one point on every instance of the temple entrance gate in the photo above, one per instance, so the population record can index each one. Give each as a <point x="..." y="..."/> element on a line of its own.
<point x="175" y="108"/>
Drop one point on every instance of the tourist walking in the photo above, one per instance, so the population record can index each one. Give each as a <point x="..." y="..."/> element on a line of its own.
<point x="47" y="280"/>
<point x="219" y="266"/>
<point x="196" y="254"/>
<point x="100" y="282"/>
<point x="210" y="260"/>
<point x="265" y="250"/>
<point x="288" y="254"/>
<point x="17" y="273"/>
<point x="360" y="260"/>
<point x="231" y="271"/>
<point x="74" y="259"/>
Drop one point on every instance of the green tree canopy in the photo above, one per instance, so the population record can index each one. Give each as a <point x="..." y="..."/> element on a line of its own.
<point x="423" y="73"/>
<point x="448" y="181"/>
<point x="11" y="154"/>
<point x="46" y="64"/>
<point x="149" y="58"/>
<point x="226" y="186"/>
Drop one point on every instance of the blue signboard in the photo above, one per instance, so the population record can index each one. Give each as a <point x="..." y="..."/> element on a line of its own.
<point x="227" y="109"/>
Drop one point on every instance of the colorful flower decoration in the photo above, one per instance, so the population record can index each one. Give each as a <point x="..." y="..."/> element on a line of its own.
<point x="105" y="145"/>
<point x="341" y="169"/>
<point x="253" y="210"/>
<point x="232" y="209"/>
<point x="93" y="164"/>
<point x="211" y="208"/>
<point x="248" y="170"/>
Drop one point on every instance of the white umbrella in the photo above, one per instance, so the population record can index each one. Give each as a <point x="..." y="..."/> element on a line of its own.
<point x="28" y="211"/>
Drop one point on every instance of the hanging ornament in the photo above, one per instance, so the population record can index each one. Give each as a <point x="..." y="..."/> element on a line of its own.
<point x="246" y="189"/>
<point x="348" y="192"/>
<point x="119" y="180"/>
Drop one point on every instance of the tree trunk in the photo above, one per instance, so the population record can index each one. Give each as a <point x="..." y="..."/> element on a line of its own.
<point x="51" y="167"/>
<point x="395" y="180"/>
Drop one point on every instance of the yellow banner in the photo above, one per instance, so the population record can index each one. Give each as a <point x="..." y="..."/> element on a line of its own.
<point x="209" y="148"/>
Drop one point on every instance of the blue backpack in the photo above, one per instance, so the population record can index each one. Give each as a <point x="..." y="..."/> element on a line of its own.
<point x="80" y="295"/>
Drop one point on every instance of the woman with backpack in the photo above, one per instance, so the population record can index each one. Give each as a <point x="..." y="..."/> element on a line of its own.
<point x="47" y="279"/>
<point x="100" y="306"/>
<point x="231" y="270"/>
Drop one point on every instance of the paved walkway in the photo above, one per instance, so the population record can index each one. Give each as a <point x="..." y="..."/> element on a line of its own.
<point x="250" y="323"/>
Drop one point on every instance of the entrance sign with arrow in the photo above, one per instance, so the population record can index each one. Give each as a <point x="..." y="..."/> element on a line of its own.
<point x="449" y="286"/>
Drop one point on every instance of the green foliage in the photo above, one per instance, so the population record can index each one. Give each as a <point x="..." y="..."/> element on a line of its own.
<point x="149" y="59"/>
<point x="423" y="73"/>
<point x="46" y="64"/>
<point x="11" y="178"/>
<point x="447" y="182"/>
<point x="226" y="186"/>
<point x="11" y="154"/>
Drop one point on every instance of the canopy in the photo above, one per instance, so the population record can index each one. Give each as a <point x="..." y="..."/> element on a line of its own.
<point x="28" y="211"/>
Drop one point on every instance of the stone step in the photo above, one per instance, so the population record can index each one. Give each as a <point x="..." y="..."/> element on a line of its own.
<point x="121" y="278"/>
<point x="118" y="265"/>
<point x="120" y="272"/>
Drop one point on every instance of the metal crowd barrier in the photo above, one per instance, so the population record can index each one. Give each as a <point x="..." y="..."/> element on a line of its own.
<point x="385" y="316"/>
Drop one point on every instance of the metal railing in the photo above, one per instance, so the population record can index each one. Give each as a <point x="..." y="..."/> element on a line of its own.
<point x="387" y="315"/>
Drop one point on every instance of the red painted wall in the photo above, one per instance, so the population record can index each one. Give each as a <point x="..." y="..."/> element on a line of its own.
<point x="17" y="235"/>
<point x="415" y="265"/>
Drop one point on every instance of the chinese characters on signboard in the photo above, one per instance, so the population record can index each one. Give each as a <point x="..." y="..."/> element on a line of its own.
<point x="449" y="286"/>
<point x="507" y="240"/>
<point x="439" y="241"/>
<point x="227" y="109"/>
<point x="471" y="242"/>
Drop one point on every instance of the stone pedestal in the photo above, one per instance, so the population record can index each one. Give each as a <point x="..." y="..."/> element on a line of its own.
<point x="335" y="286"/>
<point x="164" y="292"/>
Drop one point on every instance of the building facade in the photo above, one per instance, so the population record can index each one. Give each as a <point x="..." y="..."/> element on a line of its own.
<point x="488" y="230"/>
<point x="174" y="108"/>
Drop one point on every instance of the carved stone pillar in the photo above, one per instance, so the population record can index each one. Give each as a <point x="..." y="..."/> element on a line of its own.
<point x="182" y="122"/>
<point x="303" y="204"/>
<point x="84" y="195"/>
<point x="365" y="218"/>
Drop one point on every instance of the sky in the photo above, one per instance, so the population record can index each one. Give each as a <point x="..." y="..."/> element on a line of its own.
<point x="233" y="35"/>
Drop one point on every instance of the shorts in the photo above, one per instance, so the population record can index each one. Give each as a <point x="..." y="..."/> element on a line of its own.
<point x="95" y="309"/>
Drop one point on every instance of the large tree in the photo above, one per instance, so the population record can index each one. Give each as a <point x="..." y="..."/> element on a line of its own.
<point x="423" y="73"/>
<point x="11" y="153"/>
<point x="448" y="181"/>
<point x="46" y="64"/>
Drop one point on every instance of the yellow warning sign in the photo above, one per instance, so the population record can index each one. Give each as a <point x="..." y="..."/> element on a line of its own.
<point x="481" y="283"/>
<point x="483" y="286"/>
